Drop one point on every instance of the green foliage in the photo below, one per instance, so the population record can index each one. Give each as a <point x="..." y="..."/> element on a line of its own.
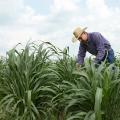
<point x="40" y="82"/>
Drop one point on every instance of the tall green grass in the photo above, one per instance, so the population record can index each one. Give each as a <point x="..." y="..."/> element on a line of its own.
<point x="40" y="82"/>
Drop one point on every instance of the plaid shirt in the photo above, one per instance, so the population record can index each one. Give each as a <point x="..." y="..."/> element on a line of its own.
<point x="96" y="45"/>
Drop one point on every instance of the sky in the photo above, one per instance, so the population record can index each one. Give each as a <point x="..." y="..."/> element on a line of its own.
<point x="54" y="21"/>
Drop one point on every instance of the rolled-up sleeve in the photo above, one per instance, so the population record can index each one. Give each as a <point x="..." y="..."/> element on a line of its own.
<point x="81" y="54"/>
<point x="99" y="40"/>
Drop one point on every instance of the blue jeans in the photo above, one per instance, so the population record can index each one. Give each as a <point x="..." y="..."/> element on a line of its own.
<point x="110" y="56"/>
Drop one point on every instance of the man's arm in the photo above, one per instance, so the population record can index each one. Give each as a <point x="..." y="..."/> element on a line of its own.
<point x="81" y="54"/>
<point x="99" y="40"/>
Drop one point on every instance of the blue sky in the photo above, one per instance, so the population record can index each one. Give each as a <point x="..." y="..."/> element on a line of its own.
<point x="55" y="20"/>
<point x="40" y="6"/>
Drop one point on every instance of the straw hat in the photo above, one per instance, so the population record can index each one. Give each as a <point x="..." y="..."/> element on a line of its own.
<point x="77" y="33"/>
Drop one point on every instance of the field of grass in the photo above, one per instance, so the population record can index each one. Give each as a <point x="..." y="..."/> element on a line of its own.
<point x="34" y="86"/>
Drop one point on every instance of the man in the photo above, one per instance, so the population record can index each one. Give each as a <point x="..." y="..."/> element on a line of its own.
<point x="95" y="44"/>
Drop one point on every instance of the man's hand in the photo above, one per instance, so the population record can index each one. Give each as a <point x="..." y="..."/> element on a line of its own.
<point x="77" y="66"/>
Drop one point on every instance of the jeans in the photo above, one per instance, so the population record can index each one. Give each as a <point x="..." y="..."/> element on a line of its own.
<point x="109" y="56"/>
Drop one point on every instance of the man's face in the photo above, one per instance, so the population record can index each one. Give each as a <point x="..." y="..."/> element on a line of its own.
<point x="83" y="37"/>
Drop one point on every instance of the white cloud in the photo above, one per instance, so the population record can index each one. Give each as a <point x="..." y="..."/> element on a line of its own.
<point x="63" y="5"/>
<point x="99" y="7"/>
<point x="57" y="26"/>
<point x="29" y="17"/>
<point x="10" y="8"/>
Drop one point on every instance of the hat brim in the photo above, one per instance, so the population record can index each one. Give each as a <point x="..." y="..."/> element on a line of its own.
<point x="74" y="39"/>
<point x="81" y="32"/>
